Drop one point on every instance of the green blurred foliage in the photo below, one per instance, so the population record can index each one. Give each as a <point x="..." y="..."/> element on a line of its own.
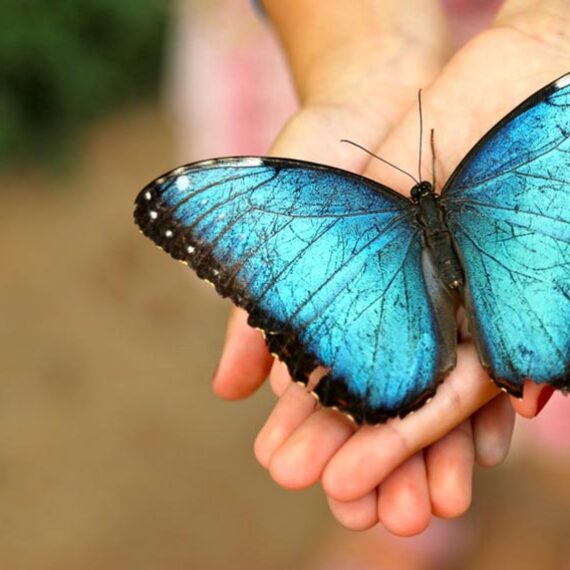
<point x="66" y="61"/>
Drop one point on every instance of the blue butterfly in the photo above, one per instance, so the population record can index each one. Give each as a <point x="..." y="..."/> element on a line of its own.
<point x="343" y="272"/>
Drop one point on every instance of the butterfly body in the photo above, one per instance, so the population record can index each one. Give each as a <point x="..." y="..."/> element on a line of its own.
<point x="436" y="234"/>
<point x="343" y="272"/>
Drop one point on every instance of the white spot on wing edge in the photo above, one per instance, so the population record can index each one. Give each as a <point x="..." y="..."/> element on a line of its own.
<point x="168" y="233"/>
<point x="147" y="195"/>
<point x="153" y="215"/>
<point x="183" y="183"/>
<point x="190" y="249"/>
<point x="563" y="81"/>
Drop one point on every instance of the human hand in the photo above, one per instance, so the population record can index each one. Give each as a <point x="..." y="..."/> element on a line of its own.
<point x="401" y="472"/>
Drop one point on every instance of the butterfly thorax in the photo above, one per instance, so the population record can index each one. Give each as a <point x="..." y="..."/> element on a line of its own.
<point x="437" y="237"/>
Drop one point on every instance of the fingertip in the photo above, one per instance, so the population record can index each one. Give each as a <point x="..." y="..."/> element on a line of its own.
<point x="292" y="409"/>
<point x="358" y="515"/>
<point x="341" y="488"/>
<point x="360" y="465"/>
<point x="224" y="387"/>
<point x="406" y="520"/>
<point x="493" y="427"/>
<point x="534" y="399"/>
<point x="245" y="361"/>
<point x="262" y="447"/>
<point x="285" y="473"/>
<point x="290" y="466"/>
<point x="301" y="460"/>
<point x="450" y="464"/>
<point x="455" y="502"/>
<point x="404" y="506"/>
<point x="234" y="386"/>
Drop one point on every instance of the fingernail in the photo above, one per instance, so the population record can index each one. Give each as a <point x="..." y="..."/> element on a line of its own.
<point x="543" y="397"/>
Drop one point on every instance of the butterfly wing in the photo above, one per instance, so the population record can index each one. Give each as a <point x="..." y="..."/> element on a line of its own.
<point x="508" y="207"/>
<point x="327" y="263"/>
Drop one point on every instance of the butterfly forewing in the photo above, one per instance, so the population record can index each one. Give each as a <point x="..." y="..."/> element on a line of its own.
<point x="327" y="263"/>
<point x="508" y="207"/>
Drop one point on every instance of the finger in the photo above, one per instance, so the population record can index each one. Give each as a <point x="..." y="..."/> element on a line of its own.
<point x="449" y="464"/>
<point x="302" y="457"/>
<point x="245" y="360"/>
<point x="374" y="451"/>
<point x="403" y="501"/>
<point x="292" y="409"/>
<point x="279" y="378"/>
<point x="493" y="427"/>
<point x="361" y="514"/>
<point x="535" y="397"/>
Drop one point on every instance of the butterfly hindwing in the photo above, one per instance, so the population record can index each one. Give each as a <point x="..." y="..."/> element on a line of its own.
<point x="508" y="207"/>
<point x="327" y="263"/>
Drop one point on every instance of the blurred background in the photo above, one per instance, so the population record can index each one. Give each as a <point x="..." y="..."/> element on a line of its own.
<point x="114" y="454"/>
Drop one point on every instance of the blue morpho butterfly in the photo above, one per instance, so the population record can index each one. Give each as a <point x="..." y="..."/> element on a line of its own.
<point x="343" y="272"/>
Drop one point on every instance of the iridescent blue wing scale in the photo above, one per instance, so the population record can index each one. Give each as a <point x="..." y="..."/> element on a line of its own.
<point x="327" y="263"/>
<point x="508" y="207"/>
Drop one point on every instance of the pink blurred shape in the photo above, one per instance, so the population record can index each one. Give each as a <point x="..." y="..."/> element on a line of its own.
<point x="229" y="87"/>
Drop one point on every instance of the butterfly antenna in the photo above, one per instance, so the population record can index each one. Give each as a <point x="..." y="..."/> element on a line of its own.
<point x="379" y="158"/>
<point x="421" y="133"/>
<point x="432" y="143"/>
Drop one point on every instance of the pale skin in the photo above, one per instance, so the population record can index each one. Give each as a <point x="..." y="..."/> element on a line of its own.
<point x="357" y="67"/>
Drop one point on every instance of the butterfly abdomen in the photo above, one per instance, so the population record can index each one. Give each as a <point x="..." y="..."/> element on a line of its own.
<point x="437" y="237"/>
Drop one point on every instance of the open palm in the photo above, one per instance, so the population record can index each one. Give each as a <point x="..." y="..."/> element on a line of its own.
<point x="406" y="470"/>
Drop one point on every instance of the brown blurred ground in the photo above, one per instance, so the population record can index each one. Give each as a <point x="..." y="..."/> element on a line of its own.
<point x="113" y="451"/>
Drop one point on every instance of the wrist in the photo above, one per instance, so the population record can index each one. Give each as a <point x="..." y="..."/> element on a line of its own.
<point x="324" y="40"/>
